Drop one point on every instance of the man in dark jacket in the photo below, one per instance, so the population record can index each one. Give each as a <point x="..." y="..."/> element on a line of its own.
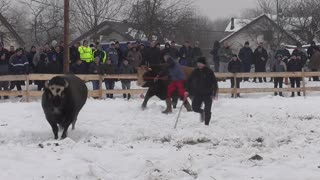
<point x="311" y="49"/>
<point x="196" y="53"/>
<point x="300" y="54"/>
<point x="186" y="54"/>
<point x="203" y="86"/>
<point x="246" y="57"/>
<point x="174" y="52"/>
<point x="295" y="64"/>
<point x="234" y="66"/>
<point x="215" y="55"/>
<point x="109" y="69"/>
<point x="19" y="65"/>
<point x="42" y="67"/>
<point x="154" y="54"/>
<point x="74" y="53"/>
<point x="126" y="83"/>
<point x="79" y="67"/>
<point x="4" y="69"/>
<point x="260" y="61"/>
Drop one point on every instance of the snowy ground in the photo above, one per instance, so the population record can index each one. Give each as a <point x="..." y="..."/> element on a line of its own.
<point x="116" y="140"/>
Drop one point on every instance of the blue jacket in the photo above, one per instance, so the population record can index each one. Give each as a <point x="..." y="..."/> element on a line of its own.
<point x="175" y="70"/>
<point x="246" y="55"/>
<point x="19" y="64"/>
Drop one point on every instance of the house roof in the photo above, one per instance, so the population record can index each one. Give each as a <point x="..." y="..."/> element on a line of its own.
<point x="291" y="23"/>
<point x="107" y="27"/>
<point x="240" y="29"/>
<point x="11" y="30"/>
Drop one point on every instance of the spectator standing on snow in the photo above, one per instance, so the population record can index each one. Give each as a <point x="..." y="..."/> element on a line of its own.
<point x="246" y="57"/>
<point x="235" y="66"/>
<point x="279" y="66"/>
<point x="126" y="83"/>
<point x="295" y="64"/>
<point x="260" y="58"/>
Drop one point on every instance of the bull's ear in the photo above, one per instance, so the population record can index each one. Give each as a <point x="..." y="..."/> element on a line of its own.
<point x="46" y="84"/>
<point x="66" y="84"/>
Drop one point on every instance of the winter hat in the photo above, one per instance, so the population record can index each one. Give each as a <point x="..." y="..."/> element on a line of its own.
<point x="202" y="60"/>
<point x="235" y="55"/>
<point x="279" y="55"/>
<point x="246" y="43"/>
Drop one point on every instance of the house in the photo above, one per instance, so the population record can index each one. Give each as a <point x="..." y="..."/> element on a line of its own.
<point x="8" y="36"/>
<point x="260" y="29"/>
<point x="108" y="31"/>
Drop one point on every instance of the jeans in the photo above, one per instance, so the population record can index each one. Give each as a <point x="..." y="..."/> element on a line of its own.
<point x="109" y="86"/>
<point x="196" y="106"/>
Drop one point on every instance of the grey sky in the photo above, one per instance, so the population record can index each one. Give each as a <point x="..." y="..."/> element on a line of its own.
<point x="223" y="8"/>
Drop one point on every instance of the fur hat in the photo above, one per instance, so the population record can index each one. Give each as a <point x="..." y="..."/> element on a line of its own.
<point x="202" y="60"/>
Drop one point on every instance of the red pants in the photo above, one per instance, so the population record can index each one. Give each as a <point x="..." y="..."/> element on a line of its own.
<point x="176" y="85"/>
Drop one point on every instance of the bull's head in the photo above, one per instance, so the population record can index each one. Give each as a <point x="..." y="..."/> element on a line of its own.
<point x="55" y="89"/>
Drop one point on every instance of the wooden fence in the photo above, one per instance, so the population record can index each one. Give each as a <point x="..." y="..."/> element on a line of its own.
<point x="99" y="93"/>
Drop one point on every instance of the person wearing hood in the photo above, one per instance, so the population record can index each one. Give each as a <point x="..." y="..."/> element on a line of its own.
<point x="165" y="51"/>
<point x="134" y="57"/>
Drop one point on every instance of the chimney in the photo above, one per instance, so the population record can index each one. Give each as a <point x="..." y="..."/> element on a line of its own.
<point x="232" y="24"/>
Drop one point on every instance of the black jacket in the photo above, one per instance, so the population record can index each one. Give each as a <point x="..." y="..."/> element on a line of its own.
<point x="202" y="82"/>
<point x="154" y="56"/>
<point x="79" y="68"/>
<point x="74" y="54"/>
<point x="234" y="66"/>
<point x="294" y="65"/>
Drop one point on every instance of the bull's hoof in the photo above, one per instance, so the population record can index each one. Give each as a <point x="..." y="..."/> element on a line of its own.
<point x="56" y="137"/>
<point x="143" y="107"/>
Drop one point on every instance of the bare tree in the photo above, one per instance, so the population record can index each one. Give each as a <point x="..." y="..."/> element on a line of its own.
<point x="47" y="20"/>
<point x="90" y="13"/>
<point x="4" y="6"/>
<point x="303" y="17"/>
<point x="160" y="17"/>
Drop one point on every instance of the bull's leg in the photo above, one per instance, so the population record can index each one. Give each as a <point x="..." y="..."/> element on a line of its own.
<point x="69" y="119"/>
<point x="148" y="95"/>
<point x="74" y="121"/>
<point x="55" y="129"/>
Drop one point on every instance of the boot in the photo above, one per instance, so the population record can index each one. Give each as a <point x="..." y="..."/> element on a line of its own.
<point x="124" y="95"/>
<point x="129" y="96"/>
<point x="207" y="118"/>
<point x="299" y="94"/>
<point x="280" y="94"/>
<point x="187" y="106"/>
<point x="276" y="94"/>
<point x="238" y="95"/>
<point x="169" y="106"/>
<point x="292" y="94"/>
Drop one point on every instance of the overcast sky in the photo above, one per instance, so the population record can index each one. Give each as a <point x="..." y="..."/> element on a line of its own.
<point x="223" y="8"/>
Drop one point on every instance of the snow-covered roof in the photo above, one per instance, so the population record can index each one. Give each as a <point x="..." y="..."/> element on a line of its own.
<point x="291" y="22"/>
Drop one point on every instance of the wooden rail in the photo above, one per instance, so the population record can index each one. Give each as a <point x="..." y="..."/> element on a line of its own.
<point x="99" y="93"/>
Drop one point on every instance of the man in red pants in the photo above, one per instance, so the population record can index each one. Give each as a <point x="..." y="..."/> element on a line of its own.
<point x="177" y="77"/>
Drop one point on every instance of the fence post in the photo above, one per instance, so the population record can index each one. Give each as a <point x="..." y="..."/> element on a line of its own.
<point x="235" y="85"/>
<point x="303" y="83"/>
<point x="100" y="86"/>
<point x="27" y="88"/>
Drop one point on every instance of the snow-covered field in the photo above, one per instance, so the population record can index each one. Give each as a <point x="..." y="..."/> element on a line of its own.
<point x="116" y="140"/>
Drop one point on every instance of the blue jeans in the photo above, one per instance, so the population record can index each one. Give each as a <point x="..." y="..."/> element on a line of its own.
<point x="109" y="86"/>
<point x="95" y="85"/>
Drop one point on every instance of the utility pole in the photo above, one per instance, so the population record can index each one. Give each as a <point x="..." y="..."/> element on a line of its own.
<point x="66" y="57"/>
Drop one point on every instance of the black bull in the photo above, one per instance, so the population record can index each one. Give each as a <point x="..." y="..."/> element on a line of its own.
<point x="158" y="88"/>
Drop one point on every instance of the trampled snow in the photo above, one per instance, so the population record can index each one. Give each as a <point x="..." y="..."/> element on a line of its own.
<point x="116" y="140"/>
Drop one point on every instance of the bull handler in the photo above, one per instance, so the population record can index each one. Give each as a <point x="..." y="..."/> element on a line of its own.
<point x="176" y="75"/>
<point x="203" y="87"/>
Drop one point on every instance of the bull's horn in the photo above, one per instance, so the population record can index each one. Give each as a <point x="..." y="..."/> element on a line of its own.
<point x="66" y="84"/>
<point x="46" y="84"/>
